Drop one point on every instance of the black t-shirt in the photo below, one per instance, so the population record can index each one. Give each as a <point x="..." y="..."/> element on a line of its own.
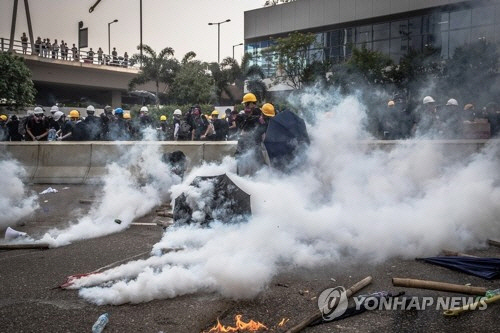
<point x="37" y="128"/>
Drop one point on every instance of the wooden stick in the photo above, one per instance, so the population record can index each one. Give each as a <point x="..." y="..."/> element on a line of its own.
<point x="40" y="246"/>
<point x="441" y="286"/>
<point x="494" y="242"/>
<point x="317" y="315"/>
<point x="165" y="214"/>
<point x="456" y="254"/>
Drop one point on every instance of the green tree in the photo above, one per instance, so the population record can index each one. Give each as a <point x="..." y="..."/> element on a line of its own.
<point x="192" y="83"/>
<point x="224" y="75"/>
<point x="292" y="58"/>
<point x="16" y="87"/>
<point x="155" y="67"/>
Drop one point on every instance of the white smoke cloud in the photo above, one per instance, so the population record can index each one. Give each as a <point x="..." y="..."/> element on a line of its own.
<point x="15" y="202"/>
<point x="133" y="186"/>
<point x="348" y="201"/>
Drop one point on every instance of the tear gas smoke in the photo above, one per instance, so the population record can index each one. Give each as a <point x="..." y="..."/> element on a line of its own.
<point x="15" y="202"/>
<point x="132" y="187"/>
<point x="347" y="201"/>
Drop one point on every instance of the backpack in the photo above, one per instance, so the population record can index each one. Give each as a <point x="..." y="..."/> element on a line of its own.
<point x="184" y="130"/>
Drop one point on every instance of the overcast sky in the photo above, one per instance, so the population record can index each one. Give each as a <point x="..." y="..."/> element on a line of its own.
<point x="180" y="24"/>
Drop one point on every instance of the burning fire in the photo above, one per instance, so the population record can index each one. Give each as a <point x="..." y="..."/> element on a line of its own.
<point x="283" y="322"/>
<point x="239" y="326"/>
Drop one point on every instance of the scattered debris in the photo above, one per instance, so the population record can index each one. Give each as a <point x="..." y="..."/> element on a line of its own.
<point x="143" y="223"/>
<point x="118" y="221"/>
<point x="86" y="201"/>
<point x="440" y="286"/>
<point x="49" y="190"/>
<point x="101" y="322"/>
<point x="494" y="242"/>
<point x="284" y="285"/>
<point x="165" y="214"/>
<point x="486" y="268"/>
<point x="476" y="305"/>
<point x="318" y="314"/>
<point x="11" y="234"/>
<point x="66" y="188"/>
<point x="25" y="246"/>
<point x="229" y="203"/>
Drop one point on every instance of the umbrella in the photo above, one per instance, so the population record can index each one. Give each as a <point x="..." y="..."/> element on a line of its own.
<point x="212" y="198"/>
<point x="285" y="136"/>
<point x="486" y="268"/>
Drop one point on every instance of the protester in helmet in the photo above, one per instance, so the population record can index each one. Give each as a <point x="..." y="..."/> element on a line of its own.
<point x="4" y="132"/>
<point x="107" y="118"/>
<point x="118" y="128"/>
<point x="68" y="128"/>
<point x="92" y="124"/>
<point x="177" y="135"/>
<point x="427" y="118"/>
<point x="163" y="129"/>
<point x="493" y="114"/>
<point x="451" y="120"/>
<point x="37" y="128"/>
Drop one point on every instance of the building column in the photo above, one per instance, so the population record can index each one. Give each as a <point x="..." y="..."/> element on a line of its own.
<point x="116" y="98"/>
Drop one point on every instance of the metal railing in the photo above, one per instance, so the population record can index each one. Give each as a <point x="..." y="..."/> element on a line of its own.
<point x="67" y="54"/>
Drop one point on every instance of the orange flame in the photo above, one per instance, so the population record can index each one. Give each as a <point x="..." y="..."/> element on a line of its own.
<point x="283" y="322"/>
<point x="240" y="326"/>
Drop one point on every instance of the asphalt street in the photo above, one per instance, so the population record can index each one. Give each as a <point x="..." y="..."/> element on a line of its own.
<point x="30" y="300"/>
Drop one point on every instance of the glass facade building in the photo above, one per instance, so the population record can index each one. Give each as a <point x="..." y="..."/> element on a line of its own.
<point x="443" y="28"/>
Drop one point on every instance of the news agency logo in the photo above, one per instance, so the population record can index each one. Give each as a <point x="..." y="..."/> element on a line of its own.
<point x="332" y="303"/>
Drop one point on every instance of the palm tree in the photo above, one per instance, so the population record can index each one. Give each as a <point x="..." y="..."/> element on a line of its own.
<point x="155" y="67"/>
<point x="222" y="76"/>
<point x="253" y="75"/>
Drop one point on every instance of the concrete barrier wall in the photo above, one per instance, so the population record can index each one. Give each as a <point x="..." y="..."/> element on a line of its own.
<point x="85" y="162"/>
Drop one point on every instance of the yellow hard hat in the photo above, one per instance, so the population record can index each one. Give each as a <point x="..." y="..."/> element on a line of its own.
<point x="268" y="110"/>
<point x="126" y="115"/>
<point x="249" y="98"/>
<point x="3" y="117"/>
<point x="74" y="114"/>
<point x="215" y="112"/>
<point x="163" y="118"/>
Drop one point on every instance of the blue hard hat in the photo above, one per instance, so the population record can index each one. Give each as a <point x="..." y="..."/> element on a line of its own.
<point x="118" y="111"/>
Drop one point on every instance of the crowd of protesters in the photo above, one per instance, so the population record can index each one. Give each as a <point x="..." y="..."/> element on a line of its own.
<point x="119" y="125"/>
<point x="429" y="120"/>
<point x="47" y="49"/>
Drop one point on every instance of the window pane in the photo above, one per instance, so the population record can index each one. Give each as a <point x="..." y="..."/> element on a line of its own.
<point x="458" y="38"/>
<point x="483" y="33"/>
<point x="415" y="26"/>
<point x="381" y="46"/>
<point x="415" y="43"/>
<point x="483" y="15"/>
<point x="444" y="21"/>
<point x="364" y="34"/>
<point x="460" y="19"/>
<point x="381" y="31"/>
<point x="347" y="36"/>
<point x="399" y="28"/>
<point x="444" y="45"/>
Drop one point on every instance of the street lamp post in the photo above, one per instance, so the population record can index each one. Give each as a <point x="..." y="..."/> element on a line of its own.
<point x="218" y="37"/>
<point x="235" y="46"/>
<point x="109" y="36"/>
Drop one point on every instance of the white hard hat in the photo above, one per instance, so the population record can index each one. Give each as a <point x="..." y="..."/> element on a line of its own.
<point x="177" y="112"/>
<point x="428" y="99"/>
<point x="38" y="110"/>
<point x="452" y="101"/>
<point x="54" y="109"/>
<point x="90" y="108"/>
<point x="144" y="109"/>
<point x="390" y="103"/>
<point x="58" y="115"/>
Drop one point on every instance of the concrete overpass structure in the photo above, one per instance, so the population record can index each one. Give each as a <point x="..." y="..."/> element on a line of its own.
<point x="64" y="79"/>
